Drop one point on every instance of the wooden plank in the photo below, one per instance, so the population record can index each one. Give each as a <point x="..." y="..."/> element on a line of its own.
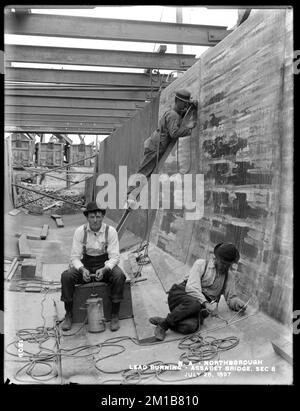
<point x="58" y="220"/>
<point x="13" y="267"/>
<point x="28" y="236"/>
<point x="284" y="348"/>
<point x="115" y="29"/>
<point x="96" y="57"/>
<point x="14" y="212"/>
<point x="52" y="205"/>
<point x="44" y="232"/>
<point x="30" y="288"/>
<point x="24" y="248"/>
<point x="59" y="76"/>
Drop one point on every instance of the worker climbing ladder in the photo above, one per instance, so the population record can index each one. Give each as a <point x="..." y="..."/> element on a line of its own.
<point x="190" y="115"/>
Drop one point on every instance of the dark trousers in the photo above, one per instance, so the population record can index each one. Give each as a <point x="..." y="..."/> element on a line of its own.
<point x="147" y="165"/>
<point x="184" y="310"/>
<point x="115" y="278"/>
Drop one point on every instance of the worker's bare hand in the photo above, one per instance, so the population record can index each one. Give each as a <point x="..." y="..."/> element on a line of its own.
<point x="239" y="305"/>
<point x="85" y="274"/>
<point x="99" y="274"/>
<point x="209" y="307"/>
<point x="195" y="103"/>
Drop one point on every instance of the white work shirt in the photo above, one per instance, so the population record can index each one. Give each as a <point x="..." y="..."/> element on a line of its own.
<point x="94" y="245"/>
<point x="198" y="280"/>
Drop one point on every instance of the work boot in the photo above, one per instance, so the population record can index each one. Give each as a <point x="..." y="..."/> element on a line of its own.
<point x="202" y="315"/>
<point x="156" y="320"/>
<point x="67" y="323"/>
<point x="160" y="333"/>
<point x="114" y="322"/>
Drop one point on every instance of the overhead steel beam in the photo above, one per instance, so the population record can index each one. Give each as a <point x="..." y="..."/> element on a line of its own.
<point x="63" y="125"/>
<point x="87" y="94"/>
<point x="82" y="77"/>
<point x="66" y="111"/>
<point x="61" y="122"/>
<point x="95" y="57"/>
<point x="8" y="9"/>
<point x="114" y="29"/>
<point x="72" y="102"/>
<point x="49" y="117"/>
<point x="51" y="129"/>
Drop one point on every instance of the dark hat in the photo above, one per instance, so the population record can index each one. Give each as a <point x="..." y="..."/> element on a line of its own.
<point x="183" y="95"/>
<point x="93" y="206"/>
<point x="227" y="252"/>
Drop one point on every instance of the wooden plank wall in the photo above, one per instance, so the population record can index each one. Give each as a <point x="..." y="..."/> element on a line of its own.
<point x="81" y="151"/>
<point x="244" y="147"/>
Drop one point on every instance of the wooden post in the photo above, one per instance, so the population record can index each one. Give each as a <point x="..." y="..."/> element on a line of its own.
<point x="68" y="177"/>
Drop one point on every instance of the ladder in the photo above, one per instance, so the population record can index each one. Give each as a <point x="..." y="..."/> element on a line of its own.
<point x="191" y="113"/>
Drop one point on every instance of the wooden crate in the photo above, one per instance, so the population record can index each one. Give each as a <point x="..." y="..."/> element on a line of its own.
<point x="50" y="154"/>
<point x="83" y="292"/>
<point x="81" y="151"/>
<point x="22" y="150"/>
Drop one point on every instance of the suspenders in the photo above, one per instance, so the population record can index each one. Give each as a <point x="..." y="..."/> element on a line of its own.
<point x="85" y="239"/>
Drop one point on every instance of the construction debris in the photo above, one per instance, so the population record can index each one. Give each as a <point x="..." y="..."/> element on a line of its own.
<point x="46" y="203"/>
<point x="12" y="269"/>
<point x="14" y="212"/>
<point x="44" y="232"/>
<point x="28" y="236"/>
<point x="33" y="288"/>
<point x="24" y="248"/>
<point x="58" y="220"/>
<point x="57" y="203"/>
<point x="28" y="268"/>
<point x="36" y="209"/>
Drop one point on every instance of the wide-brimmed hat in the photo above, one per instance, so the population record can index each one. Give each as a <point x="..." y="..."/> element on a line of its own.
<point x="93" y="206"/>
<point x="183" y="95"/>
<point x="227" y="252"/>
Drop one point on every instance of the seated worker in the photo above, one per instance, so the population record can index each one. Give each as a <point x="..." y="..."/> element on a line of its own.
<point x="170" y="126"/>
<point x="95" y="250"/>
<point x="204" y="284"/>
